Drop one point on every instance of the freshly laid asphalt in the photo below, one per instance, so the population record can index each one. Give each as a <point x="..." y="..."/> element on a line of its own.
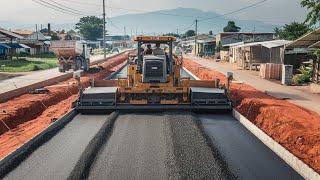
<point x="156" y="146"/>
<point x="56" y="158"/>
<point x="246" y="156"/>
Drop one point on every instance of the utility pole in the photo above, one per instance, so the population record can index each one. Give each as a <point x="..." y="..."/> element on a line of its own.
<point x="37" y="31"/>
<point x="104" y="30"/>
<point x="196" y="38"/>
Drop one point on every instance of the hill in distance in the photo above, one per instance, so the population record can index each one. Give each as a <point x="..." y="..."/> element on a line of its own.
<point x="160" y="22"/>
<point x="181" y="20"/>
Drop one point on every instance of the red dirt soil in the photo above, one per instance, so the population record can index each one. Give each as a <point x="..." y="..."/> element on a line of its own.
<point x="30" y="114"/>
<point x="295" y="128"/>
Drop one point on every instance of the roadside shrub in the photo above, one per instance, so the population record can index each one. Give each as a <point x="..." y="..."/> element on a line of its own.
<point x="24" y="54"/>
<point x="304" y="77"/>
<point x="44" y="55"/>
<point x="35" y="68"/>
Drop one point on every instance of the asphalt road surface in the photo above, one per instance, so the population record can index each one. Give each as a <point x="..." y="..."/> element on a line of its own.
<point x="246" y="156"/>
<point x="156" y="146"/>
<point x="56" y="158"/>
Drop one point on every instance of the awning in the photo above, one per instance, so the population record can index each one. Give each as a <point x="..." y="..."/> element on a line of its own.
<point x="267" y="44"/>
<point x="310" y="40"/>
<point x="14" y="45"/>
<point x="3" y="46"/>
<point x="24" y="46"/>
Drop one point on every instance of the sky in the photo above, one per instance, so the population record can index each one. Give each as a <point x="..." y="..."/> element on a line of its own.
<point x="271" y="11"/>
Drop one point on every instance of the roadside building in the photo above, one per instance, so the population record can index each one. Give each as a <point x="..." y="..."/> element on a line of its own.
<point x="252" y="55"/>
<point x="234" y="37"/>
<point x="311" y="42"/>
<point x="11" y="40"/>
<point x="22" y="32"/>
<point x="4" y="51"/>
<point x="205" y="46"/>
<point x="37" y="42"/>
<point x="116" y="41"/>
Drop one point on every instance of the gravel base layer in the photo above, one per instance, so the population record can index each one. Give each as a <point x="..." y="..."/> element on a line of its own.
<point x="194" y="155"/>
<point x="158" y="146"/>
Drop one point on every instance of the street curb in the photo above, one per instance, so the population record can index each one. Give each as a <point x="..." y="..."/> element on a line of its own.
<point x="82" y="167"/>
<point x="300" y="167"/>
<point x="13" y="160"/>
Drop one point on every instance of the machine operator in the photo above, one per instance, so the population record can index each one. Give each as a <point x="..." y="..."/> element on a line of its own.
<point x="149" y="50"/>
<point x="158" y="51"/>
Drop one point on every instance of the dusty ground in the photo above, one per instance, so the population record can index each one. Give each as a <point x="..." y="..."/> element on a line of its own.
<point x="294" y="127"/>
<point x="23" y="117"/>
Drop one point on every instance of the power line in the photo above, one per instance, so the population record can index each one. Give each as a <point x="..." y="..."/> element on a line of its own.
<point x="188" y="27"/>
<point x="235" y="11"/>
<point x="71" y="9"/>
<point x="112" y="24"/>
<point x="54" y="8"/>
<point x="60" y="7"/>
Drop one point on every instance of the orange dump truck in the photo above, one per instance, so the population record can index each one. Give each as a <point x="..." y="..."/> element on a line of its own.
<point x="71" y="55"/>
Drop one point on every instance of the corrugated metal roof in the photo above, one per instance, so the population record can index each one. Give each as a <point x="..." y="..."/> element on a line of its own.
<point x="267" y="44"/>
<point x="276" y="43"/>
<point x="10" y="34"/>
<point x="233" y="44"/>
<point x="311" y="39"/>
<point x="4" y="46"/>
<point x="14" y="45"/>
<point x="24" y="46"/>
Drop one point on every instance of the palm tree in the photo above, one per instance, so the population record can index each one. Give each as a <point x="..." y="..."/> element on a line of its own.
<point x="313" y="6"/>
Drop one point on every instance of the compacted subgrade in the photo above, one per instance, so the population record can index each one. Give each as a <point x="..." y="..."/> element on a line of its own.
<point x="157" y="146"/>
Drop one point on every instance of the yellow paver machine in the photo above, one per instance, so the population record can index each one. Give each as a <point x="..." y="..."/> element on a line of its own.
<point x="153" y="83"/>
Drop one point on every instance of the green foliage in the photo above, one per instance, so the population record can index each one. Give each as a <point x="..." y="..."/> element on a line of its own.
<point x="35" y="67"/>
<point x="43" y="55"/>
<point x="27" y="64"/>
<point x="90" y="27"/>
<point x="210" y="33"/>
<point x="313" y="6"/>
<point x="304" y="77"/>
<point x="292" y="31"/>
<point x="190" y="33"/>
<point x="54" y="36"/>
<point x="172" y="34"/>
<point x="231" y="27"/>
<point x="317" y="53"/>
<point x="219" y="47"/>
<point x="44" y="30"/>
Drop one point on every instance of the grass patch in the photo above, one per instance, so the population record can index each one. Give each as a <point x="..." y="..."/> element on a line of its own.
<point x="27" y="64"/>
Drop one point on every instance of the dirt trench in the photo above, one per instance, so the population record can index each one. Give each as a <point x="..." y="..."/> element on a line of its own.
<point x="294" y="127"/>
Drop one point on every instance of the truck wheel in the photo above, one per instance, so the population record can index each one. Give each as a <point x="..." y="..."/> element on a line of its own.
<point x="62" y="69"/>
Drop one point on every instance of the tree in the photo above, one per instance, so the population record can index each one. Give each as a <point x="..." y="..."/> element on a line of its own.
<point x="172" y="34"/>
<point x="90" y="27"/>
<point x="190" y="33"/>
<point x="231" y="27"/>
<point x="71" y="31"/>
<point x="54" y="36"/>
<point x="313" y="6"/>
<point x="292" y="31"/>
<point x="210" y="33"/>
<point x="44" y="31"/>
